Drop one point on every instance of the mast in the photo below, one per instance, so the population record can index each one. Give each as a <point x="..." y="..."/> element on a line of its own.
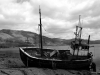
<point x="79" y="27"/>
<point x="78" y="31"/>
<point x="79" y="34"/>
<point x="41" y="46"/>
<point x="88" y="42"/>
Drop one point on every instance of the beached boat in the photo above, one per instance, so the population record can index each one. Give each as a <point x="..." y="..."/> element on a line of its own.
<point x="62" y="59"/>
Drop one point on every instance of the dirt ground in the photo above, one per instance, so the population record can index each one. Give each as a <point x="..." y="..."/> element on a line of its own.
<point x="11" y="64"/>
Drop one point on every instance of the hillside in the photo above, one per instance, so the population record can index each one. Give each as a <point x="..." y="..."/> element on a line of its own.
<point x="13" y="38"/>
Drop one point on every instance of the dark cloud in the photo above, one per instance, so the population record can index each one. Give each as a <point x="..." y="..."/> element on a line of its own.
<point x="92" y="11"/>
<point x="57" y="30"/>
<point x="21" y="1"/>
<point x="94" y="24"/>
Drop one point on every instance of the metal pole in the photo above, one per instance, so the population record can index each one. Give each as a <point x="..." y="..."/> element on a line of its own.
<point x="79" y="21"/>
<point x="41" y="46"/>
<point x="79" y="35"/>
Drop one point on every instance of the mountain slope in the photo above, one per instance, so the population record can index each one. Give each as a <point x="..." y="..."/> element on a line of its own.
<point x="19" y="38"/>
<point x="11" y="38"/>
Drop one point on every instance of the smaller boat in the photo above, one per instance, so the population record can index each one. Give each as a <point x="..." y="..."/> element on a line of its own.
<point x="62" y="59"/>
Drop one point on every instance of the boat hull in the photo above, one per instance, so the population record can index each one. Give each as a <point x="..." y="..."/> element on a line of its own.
<point x="31" y="61"/>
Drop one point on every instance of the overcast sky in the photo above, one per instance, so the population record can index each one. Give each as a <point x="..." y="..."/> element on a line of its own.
<point x="59" y="17"/>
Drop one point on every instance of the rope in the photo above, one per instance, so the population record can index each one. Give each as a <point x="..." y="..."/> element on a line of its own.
<point x="44" y="29"/>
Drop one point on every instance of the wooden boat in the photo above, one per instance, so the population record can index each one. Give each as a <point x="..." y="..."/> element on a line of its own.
<point x="63" y="59"/>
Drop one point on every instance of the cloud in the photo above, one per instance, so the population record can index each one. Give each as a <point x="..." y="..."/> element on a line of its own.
<point x="59" y="17"/>
<point x="15" y="14"/>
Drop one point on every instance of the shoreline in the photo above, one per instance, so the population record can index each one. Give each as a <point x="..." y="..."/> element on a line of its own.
<point x="11" y="64"/>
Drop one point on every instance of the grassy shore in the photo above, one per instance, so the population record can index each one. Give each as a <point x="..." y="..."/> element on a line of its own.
<point x="11" y="64"/>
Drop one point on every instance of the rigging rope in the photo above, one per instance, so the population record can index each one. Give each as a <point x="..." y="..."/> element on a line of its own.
<point x="44" y="29"/>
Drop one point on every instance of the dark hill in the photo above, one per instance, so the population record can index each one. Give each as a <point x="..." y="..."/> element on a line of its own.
<point x="13" y="38"/>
